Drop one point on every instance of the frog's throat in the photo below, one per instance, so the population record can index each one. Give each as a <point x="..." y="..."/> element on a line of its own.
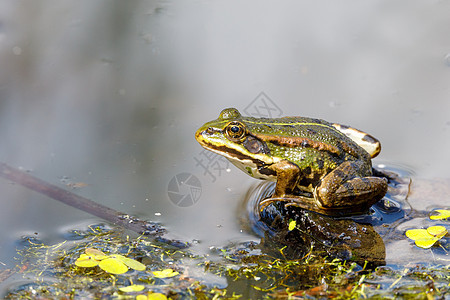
<point x="252" y="169"/>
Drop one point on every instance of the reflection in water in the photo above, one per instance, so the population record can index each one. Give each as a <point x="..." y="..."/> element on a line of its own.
<point x="352" y="238"/>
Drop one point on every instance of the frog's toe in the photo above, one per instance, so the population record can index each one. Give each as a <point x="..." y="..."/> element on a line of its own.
<point x="266" y="202"/>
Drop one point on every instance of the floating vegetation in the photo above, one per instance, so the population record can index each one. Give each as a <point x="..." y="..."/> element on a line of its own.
<point x="292" y="224"/>
<point x="166" y="273"/>
<point x="158" y="270"/>
<point x="114" y="263"/>
<point x="442" y="214"/>
<point x="426" y="238"/>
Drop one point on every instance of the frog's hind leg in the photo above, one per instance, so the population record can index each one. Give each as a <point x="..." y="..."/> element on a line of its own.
<point x="343" y="189"/>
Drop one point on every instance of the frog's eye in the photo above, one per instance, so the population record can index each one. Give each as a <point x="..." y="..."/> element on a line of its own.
<point x="235" y="131"/>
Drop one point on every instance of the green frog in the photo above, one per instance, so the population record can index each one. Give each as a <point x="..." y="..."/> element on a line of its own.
<point x="317" y="165"/>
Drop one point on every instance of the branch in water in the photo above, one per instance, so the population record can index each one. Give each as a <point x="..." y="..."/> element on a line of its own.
<point x="84" y="204"/>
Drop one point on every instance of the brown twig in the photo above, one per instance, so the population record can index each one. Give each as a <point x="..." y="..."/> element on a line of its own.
<point x="84" y="204"/>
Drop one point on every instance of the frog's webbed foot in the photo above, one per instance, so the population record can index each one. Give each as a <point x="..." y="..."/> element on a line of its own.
<point x="266" y="202"/>
<point x="296" y="201"/>
<point x="389" y="175"/>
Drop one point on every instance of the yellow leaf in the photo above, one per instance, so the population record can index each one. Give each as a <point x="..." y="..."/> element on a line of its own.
<point x="86" y="261"/>
<point x="131" y="263"/>
<point x="417" y="234"/>
<point x="113" y="265"/>
<point x="141" y="297"/>
<point x="156" y="296"/>
<point x="292" y="225"/>
<point x="96" y="254"/>
<point x="443" y="214"/>
<point x="426" y="238"/>
<point x="426" y="243"/>
<point x="132" y="288"/>
<point x="165" y="273"/>
<point x="437" y="231"/>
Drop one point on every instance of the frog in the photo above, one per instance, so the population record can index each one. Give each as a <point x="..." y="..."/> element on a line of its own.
<point x="317" y="165"/>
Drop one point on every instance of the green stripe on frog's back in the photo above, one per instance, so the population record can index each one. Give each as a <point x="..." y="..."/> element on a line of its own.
<point x="291" y="126"/>
<point x="303" y="132"/>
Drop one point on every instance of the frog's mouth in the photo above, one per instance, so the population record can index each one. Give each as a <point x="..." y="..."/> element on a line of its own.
<point x="234" y="152"/>
<point x="247" y="163"/>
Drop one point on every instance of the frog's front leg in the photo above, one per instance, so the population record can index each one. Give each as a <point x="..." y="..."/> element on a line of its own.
<point x="288" y="174"/>
<point x="343" y="188"/>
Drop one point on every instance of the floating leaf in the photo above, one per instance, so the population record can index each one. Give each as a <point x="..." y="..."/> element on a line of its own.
<point x="443" y="214"/>
<point x="292" y="225"/>
<point x="156" y="296"/>
<point x="425" y="238"/>
<point x="426" y="243"/>
<point x="132" y="288"/>
<point x="152" y="296"/>
<point x="437" y="231"/>
<point x="97" y="254"/>
<point x="131" y="263"/>
<point x="86" y="261"/>
<point x="421" y="238"/>
<point x="113" y="265"/>
<point x="165" y="273"/>
<point x="417" y="234"/>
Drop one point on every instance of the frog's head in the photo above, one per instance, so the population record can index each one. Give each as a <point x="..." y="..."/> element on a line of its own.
<point x="229" y="136"/>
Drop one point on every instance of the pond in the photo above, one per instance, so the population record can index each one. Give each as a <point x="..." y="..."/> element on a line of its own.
<point x="103" y="99"/>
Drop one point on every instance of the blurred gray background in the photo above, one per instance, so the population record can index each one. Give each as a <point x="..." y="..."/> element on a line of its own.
<point x="103" y="97"/>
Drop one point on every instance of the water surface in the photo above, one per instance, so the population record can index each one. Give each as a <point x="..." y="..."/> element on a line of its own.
<point x="104" y="98"/>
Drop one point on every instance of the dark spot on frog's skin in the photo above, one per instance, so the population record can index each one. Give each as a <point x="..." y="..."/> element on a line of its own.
<point x="311" y="131"/>
<point x="289" y="126"/>
<point x="316" y="179"/>
<point x="267" y="171"/>
<point x="304" y="144"/>
<point x="304" y="181"/>
<point x="368" y="138"/>
<point x="307" y="170"/>
<point x="320" y="163"/>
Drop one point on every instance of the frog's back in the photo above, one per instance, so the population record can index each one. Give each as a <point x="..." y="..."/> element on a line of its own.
<point x="307" y="133"/>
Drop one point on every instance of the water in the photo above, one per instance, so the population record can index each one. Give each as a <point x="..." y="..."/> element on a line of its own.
<point x="108" y="97"/>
